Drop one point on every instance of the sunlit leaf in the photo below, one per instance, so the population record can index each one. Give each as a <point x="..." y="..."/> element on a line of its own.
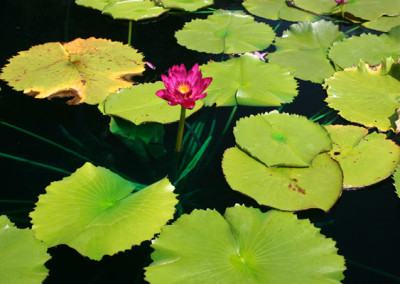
<point x="248" y="81"/>
<point x="372" y="9"/>
<point x="226" y="32"/>
<point x="306" y="44"/>
<point x="364" y="159"/>
<point x="125" y="9"/>
<point x="244" y="246"/>
<point x="276" y="9"/>
<point x="284" y="188"/>
<point x="140" y="104"/>
<point x="22" y="257"/>
<point x="383" y="24"/>
<point x="366" y="95"/>
<point x="187" y="5"/>
<point x="95" y="212"/>
<point x="86" y="69"/>
<point x="349" y="52"/>
<point x="280" y="139"/>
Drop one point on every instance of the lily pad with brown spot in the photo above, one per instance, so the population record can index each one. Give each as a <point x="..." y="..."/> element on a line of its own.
<point x="86" y="69"/>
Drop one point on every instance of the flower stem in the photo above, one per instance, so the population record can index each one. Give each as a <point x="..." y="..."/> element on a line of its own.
<point x="180" y="130"/>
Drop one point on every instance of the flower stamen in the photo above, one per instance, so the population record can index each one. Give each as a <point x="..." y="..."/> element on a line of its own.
<point x="183" y="88"/>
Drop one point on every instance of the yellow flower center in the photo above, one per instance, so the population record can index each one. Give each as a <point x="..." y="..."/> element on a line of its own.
<point x="183" y="88"/>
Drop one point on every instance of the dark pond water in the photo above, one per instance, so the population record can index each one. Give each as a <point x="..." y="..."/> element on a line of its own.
<point x="365" y="223"/>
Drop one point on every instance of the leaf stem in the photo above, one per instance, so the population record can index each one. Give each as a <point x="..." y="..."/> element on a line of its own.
<point x="377" y="271"/>
<point x="130" y="33"/>
<point x="13" y="201"/>
<point x="180" y="130"/>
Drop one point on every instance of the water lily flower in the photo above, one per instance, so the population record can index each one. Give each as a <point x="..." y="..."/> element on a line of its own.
<point x="184" y="88"/>
<point x="341" y="1"/>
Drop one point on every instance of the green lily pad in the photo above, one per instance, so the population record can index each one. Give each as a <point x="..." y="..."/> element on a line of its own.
<point x="244" y="246"/>
<point x="86" y="69"/>
<point x="367" y="47"/>
<point x="22" y="257"/>
<point x="372" y="9"/>
<point x="284" y="188"/>
<point x="246" y="80"/>
<point x="125" y="9"/>
<point x="364" y="159"/>
<point x="383" y="24"/>
<point x="140" y="104"/>
<point x="280" y="139"/>
<point x="95" y="212"/>
<point x="306" y="44"/>
<point x="277" y="9"/>
<point x="365" y="95"/>
<point x="396" y="178"/>
<point x="187" y="5"/>
<point x="226" y="32"/>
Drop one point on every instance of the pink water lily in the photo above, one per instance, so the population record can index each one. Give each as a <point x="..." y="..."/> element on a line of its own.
<point x="184" y="88"/>
<point x="341" y="1"/>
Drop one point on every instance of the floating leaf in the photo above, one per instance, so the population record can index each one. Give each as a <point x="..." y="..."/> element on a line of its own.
<point x="383" y="24"/>
<point x="130" y="10"/>
<point x="364" y="159"/>
<point x="304" y="45"/>
<point x="95" y="212"/>
<point x="349" y="52"/>
<point x="246" y="80"/>
<point x="140" y="104"/>
<point x="278" y="139"/>
<point x="284" y="188"/>
<point x="226" y="32"/>
<point x="366" y="95"/>
<point x="277" y="9"/>
<point x="372" y="9"/>
<point x="22" y="257"/>
<point x="86" y="69"/>
<point x="247" y="246"/>
<point x="187" y="5"/>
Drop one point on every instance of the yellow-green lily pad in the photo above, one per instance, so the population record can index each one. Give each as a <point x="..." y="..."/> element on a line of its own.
<point x="365" y="158"/>
<point x="86" y="69"/>
<point x="383" y="24"/>
<point x="372" y="9"/>
<point x="187" y="5"/>
<point x="249" y="81"/>
<point x="243" y="246"/>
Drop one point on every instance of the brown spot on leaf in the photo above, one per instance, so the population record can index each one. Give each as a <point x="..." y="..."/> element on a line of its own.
<point x="302" y="191"/>
<point x="83" y="81"/>
<point x="76" y="99"/>
<point x="336" y="153"/>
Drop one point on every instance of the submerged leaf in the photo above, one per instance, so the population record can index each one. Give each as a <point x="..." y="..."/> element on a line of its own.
<point x="245" y="246"/>
<point x="22" y="257"/>
<point x="349" y="52"/>
<point x="366" y="95"/>
<point x="284" y="188"/>
<point x="278" y="139"/>
<point x="95" y="212"/>
<point x="123" y="9"/>
<point x="86" y="69"/>
<point x="364" y="159"/>
<point x="306" y="44"/>
<point x="226" y="32"/>
<point x="140" y="104"/>
<point x="248" y="81"/>
<point x="396" y="178"/>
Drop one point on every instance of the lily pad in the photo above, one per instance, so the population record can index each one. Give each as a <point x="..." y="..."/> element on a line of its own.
<point x="125" y="9"/>
<point x="306" y="44"/>
<point x="364" y="159"/>
<point x="366" y="95"/>
<point x="370" y="48"/>
<point x="244" y="246"/>
<point x="277" y="9"/>
<point x="86" y="69"/>
<point x="280" y="139"/>
<point x="284" y="188"/>
<point x="187" y="5"/>
<point x="22" y="257"/>
<point x="226" y="32"/>
<point x="372" y="9"/>
<point x="140" y="104"/>
<point x="95" y="212"/>
<point x="383" y="24"/>
<point x="246" y="80"/>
